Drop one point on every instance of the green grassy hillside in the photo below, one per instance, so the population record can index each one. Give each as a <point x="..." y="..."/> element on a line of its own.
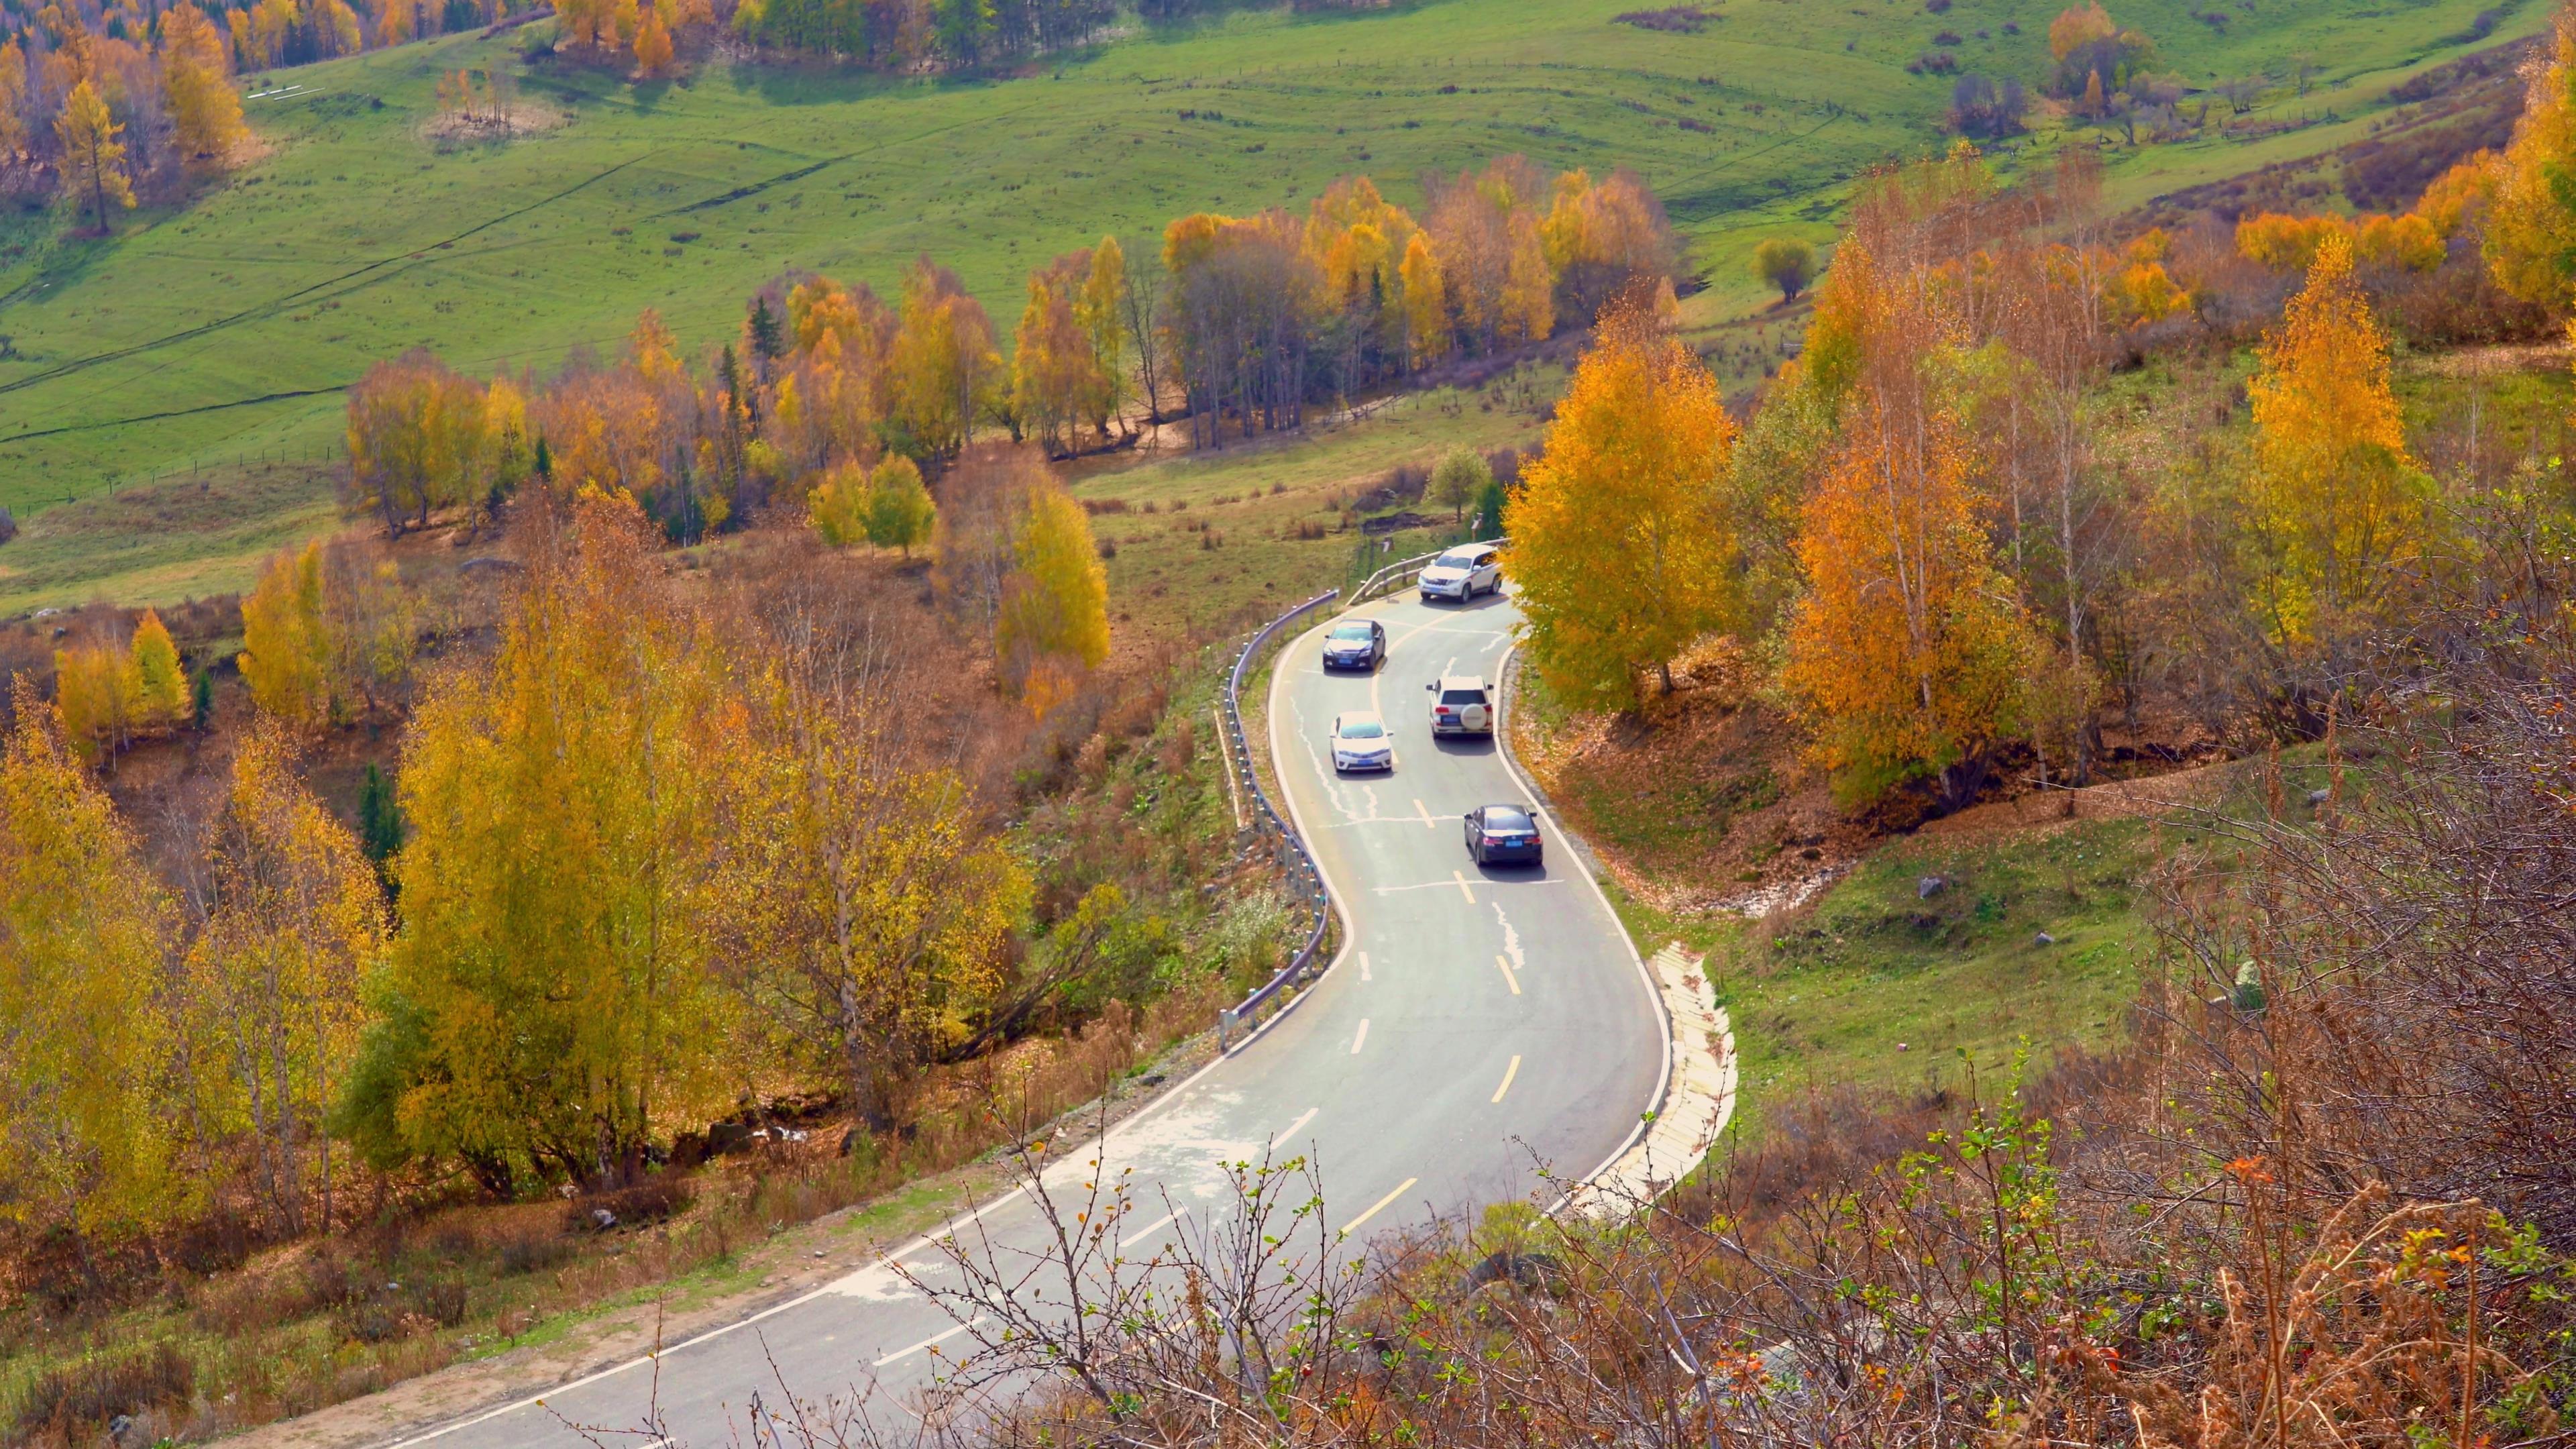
<point x="214" y="336"/>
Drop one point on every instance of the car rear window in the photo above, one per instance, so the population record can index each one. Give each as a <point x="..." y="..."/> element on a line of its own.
<point x="1497" y="818"/>
<point x="1462" y="696"/>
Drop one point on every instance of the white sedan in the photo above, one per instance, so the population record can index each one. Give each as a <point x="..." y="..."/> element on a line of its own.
<point x="1360" y="743"/>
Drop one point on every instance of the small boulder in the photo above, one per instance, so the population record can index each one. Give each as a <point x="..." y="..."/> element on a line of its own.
<point x="1929" y="886"/>
<point x="602" y="1219"/>
<point x="2043" y="939"/>
<point x="2319" y="797"/>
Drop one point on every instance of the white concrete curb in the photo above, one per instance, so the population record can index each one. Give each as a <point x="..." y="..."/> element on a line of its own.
<point x="1699" y="1097"/>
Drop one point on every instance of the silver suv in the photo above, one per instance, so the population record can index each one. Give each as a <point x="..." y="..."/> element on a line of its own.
<point x="1461" y="705"/>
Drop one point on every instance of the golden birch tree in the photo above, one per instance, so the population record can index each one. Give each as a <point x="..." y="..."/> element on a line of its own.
<point x="295" y="922"/>
<point x="84" y="927"/>
<point x="1633" y="471"/>
<point x="2340" y="505"/>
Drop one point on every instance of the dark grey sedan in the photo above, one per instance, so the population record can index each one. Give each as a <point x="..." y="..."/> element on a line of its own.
<point x="1355" y="644"/>
<point x="1503" y="835"/>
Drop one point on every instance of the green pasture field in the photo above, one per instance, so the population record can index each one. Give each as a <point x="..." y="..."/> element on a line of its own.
<point x="204" y="346"/>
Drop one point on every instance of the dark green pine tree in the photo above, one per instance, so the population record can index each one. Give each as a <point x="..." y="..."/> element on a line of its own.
<point x="380" y="826"/>
<point x="201" y="699"/>
<point x="767" y="341"/>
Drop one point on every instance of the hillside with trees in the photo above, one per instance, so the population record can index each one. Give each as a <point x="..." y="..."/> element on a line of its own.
<point x="2068" y="619"/>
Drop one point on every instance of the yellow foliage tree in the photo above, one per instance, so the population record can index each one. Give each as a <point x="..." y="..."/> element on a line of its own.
<point x="295" y="922"/>
<point x="2078" y="26"/>
<point x="93" y="159"/>
<point x="550" y="1007"/>
<point x="838" y="506"/>
<point x="1426" y="302"/>
<point x="878" y="914"/>
<point x="160" y="684"/>
<point x="13" y="98"/>
<point x="943" y="362"/>
<point x="1055" y="606"/>
<point x="83" y="927"/>
<point x="196" y="79"/>
<point x="1633" y="470"/>
<point x="2338" y="500"/>
<point x="2531" y="222"/>
<point x="1101" y="311"/>
<point x="1052" y="367"/>
<point x="287" y="644"/>
<point x="417" y="439"/>
<point x="99" y="697"/>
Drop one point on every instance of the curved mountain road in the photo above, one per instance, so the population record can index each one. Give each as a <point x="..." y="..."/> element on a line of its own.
<point x="1477" y="1026"/>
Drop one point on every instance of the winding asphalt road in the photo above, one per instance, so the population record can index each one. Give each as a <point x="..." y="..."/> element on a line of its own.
<point x="1477" y="1025"/>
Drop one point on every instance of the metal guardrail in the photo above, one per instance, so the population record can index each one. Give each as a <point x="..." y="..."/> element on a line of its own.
<point x="1304" y="879"/>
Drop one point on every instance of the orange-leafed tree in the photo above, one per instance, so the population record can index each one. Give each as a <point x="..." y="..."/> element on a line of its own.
<point x="1487" y="228"/>
<point x="1633" y="470"/>
<point x="1600" y="238"/>
<point x="652" y="46"/>
<point x="2341" y="506"/>
<point x="1908" y="649"/>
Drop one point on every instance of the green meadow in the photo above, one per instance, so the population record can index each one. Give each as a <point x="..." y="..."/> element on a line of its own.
<point x="203" y="347"/>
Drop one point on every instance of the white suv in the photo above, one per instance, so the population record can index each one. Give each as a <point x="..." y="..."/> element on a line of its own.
<point x="1462" y="573"/>
<point x="1461" y="705"/>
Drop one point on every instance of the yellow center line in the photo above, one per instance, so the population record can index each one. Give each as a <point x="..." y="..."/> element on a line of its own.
<point x="1509" y="1072"/>
<point x="1362" y="1037"/>
<point x="1508" y="976"/>
<point x="1425" y="812"/>
<point x="1379" y="1206"/>
<point x="1364" y="971"/>
<point x="1460" y="877"/>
